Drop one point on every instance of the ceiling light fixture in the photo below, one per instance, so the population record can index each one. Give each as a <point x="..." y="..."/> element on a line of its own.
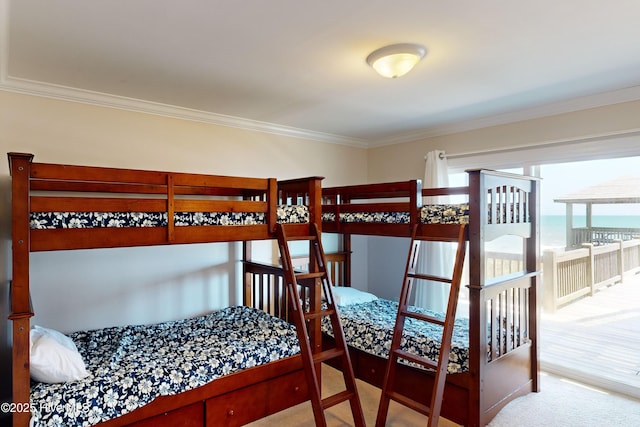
<point x="397" y="59"/>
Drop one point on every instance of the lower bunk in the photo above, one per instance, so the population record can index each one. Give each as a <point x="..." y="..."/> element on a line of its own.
<point x="494" y="350"/>
<point x="226" y="368"/>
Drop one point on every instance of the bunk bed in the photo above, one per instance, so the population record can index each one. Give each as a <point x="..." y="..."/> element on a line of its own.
<point x="495" y="352"/>
<point x="64" y="207"/>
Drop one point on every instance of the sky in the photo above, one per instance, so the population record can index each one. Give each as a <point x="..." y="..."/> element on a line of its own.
<point x="565" y="178"/>
<point x="562" y="179"/>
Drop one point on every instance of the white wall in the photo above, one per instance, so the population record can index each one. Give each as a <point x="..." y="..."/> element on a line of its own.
<point x="80" y="289"/>
<point x="610" y="131"/>
<point x="586" y="132"/>
<point x="87" y="289"/>
<point x="387" y="258"/>
<point x="95" y="288"/>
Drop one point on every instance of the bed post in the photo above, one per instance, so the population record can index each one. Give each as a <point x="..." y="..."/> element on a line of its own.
<point x="415" y="203"/>
<point x="21" y="312"/>
<point x="533" y="264"/>
<point x="477" y="310"/>
<point x="315" y="201"/>
<point x="272" y="213"/>
<point x="346" y="248"/>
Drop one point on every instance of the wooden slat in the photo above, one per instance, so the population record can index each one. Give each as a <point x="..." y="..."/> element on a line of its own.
<point x="92" y="174"/>
<point x="220" y="233"/>
<point x="230" y="206"/>
<point x="87" y="238"/>
<point x="219" y="181"/>
<point x="96" y="187"/>
<point x="446" y="191"/>
<point x="96" y="204"/>
<point x="99" y="204"/>
<point x="371" y="191"/>
<point x="376" y="207"/>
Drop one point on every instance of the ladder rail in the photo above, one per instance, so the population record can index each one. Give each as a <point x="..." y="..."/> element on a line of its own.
<point x="318" y="280"/>
<point x="447" y="333"/>
<point x="297" y="313"/>
<point x="440" y="366"/>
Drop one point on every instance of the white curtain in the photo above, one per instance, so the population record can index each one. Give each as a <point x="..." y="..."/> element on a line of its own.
<point x="435" y="258"/>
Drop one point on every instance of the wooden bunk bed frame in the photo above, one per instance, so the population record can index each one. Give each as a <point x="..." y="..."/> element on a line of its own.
<point x="499" y="204"/>
<point x="235" y="399"/>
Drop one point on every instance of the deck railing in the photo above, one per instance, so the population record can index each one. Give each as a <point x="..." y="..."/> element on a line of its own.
<point x="600" y="235"/>
<point x="569" y="275"/>
<point x="502" y="264"/>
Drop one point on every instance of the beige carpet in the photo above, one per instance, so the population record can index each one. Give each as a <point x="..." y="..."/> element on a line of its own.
<point x="560" y="404"/>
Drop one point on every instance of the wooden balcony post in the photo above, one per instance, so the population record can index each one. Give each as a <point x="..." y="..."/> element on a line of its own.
<point x="620" y="259"/>
<point x="590" y="268"/>
<point x="550" y="280"/>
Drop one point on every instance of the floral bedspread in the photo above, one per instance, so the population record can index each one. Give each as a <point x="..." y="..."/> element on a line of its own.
<point x="132" y="365"/>
<point x="46" y="220"/>
<point x="369" y="327"/>
<point x="429" y="214"/>
<point x="434" y="214"/>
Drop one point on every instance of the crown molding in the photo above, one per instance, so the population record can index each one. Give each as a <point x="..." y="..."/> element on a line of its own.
<point x="568" y="106"/>
<point x="65" y="93"/>
<point x="30" y="87"/>
<point x="35" y="88"/>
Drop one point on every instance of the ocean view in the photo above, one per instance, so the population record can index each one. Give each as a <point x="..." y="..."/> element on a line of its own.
<point x="553" y="227"/>
<point x="553" y="230"/>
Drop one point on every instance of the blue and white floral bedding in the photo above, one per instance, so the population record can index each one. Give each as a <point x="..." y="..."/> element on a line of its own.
<point x="429" y="214"/>
<point x="369" y="327"/>
<point x="132" y="365"/>
<point x="286" y="214"/>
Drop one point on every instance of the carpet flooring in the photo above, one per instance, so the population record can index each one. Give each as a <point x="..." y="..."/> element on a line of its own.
<point x="561" y="403"/>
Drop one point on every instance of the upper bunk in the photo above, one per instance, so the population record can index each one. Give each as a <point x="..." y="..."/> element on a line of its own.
<point x="59" y="207"/>
<point x="497" y="204"/>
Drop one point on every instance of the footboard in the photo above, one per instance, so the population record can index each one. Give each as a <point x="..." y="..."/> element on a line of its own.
<point x="264" y="286"/>
<point x="508" y="316"/>
<point x="503" y="329"/>
<point x="265" y="289"/>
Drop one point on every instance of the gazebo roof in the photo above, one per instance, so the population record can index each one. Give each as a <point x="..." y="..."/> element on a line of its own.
<point x="620" y="190"/>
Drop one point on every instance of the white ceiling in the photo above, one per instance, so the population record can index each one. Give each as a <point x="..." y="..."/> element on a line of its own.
<point x="298" y="67"/>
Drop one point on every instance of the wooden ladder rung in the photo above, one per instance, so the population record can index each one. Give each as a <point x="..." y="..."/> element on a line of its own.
<point x="327" y="355"/>
<point x="409" y="403"/>
<point x="301" y="238"/>
<point x="337" y="398"/>
<point x="318" y="281"/>
<point x="315" y="314"/>
<point x="314" y="275"/>
<point x="429" y="277"/>
<point x="439" y="365"/>
<point x="428" y="363"/>
<point x="423" y="317"/>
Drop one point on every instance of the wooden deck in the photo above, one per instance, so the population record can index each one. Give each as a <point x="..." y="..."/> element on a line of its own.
<point x="596" y="339"/>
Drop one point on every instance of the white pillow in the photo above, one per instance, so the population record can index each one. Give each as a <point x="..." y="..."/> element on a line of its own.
<point x="55" y="357"/>
<point x="343" y="295"/>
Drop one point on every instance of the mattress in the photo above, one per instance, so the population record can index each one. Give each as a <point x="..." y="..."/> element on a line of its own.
<point x="130" y="366"/>
<point x="429" y="214"/>
<point x="50" y="220"/>
<point x="369" y="327"/>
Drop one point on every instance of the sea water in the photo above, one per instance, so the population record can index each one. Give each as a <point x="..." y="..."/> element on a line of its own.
<point x="553" y="230"/>
<point x="553" y="227"/>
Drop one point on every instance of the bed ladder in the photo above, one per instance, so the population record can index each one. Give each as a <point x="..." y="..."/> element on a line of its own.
<point x="439" y="366"/>
<point x="317" y="275"/>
